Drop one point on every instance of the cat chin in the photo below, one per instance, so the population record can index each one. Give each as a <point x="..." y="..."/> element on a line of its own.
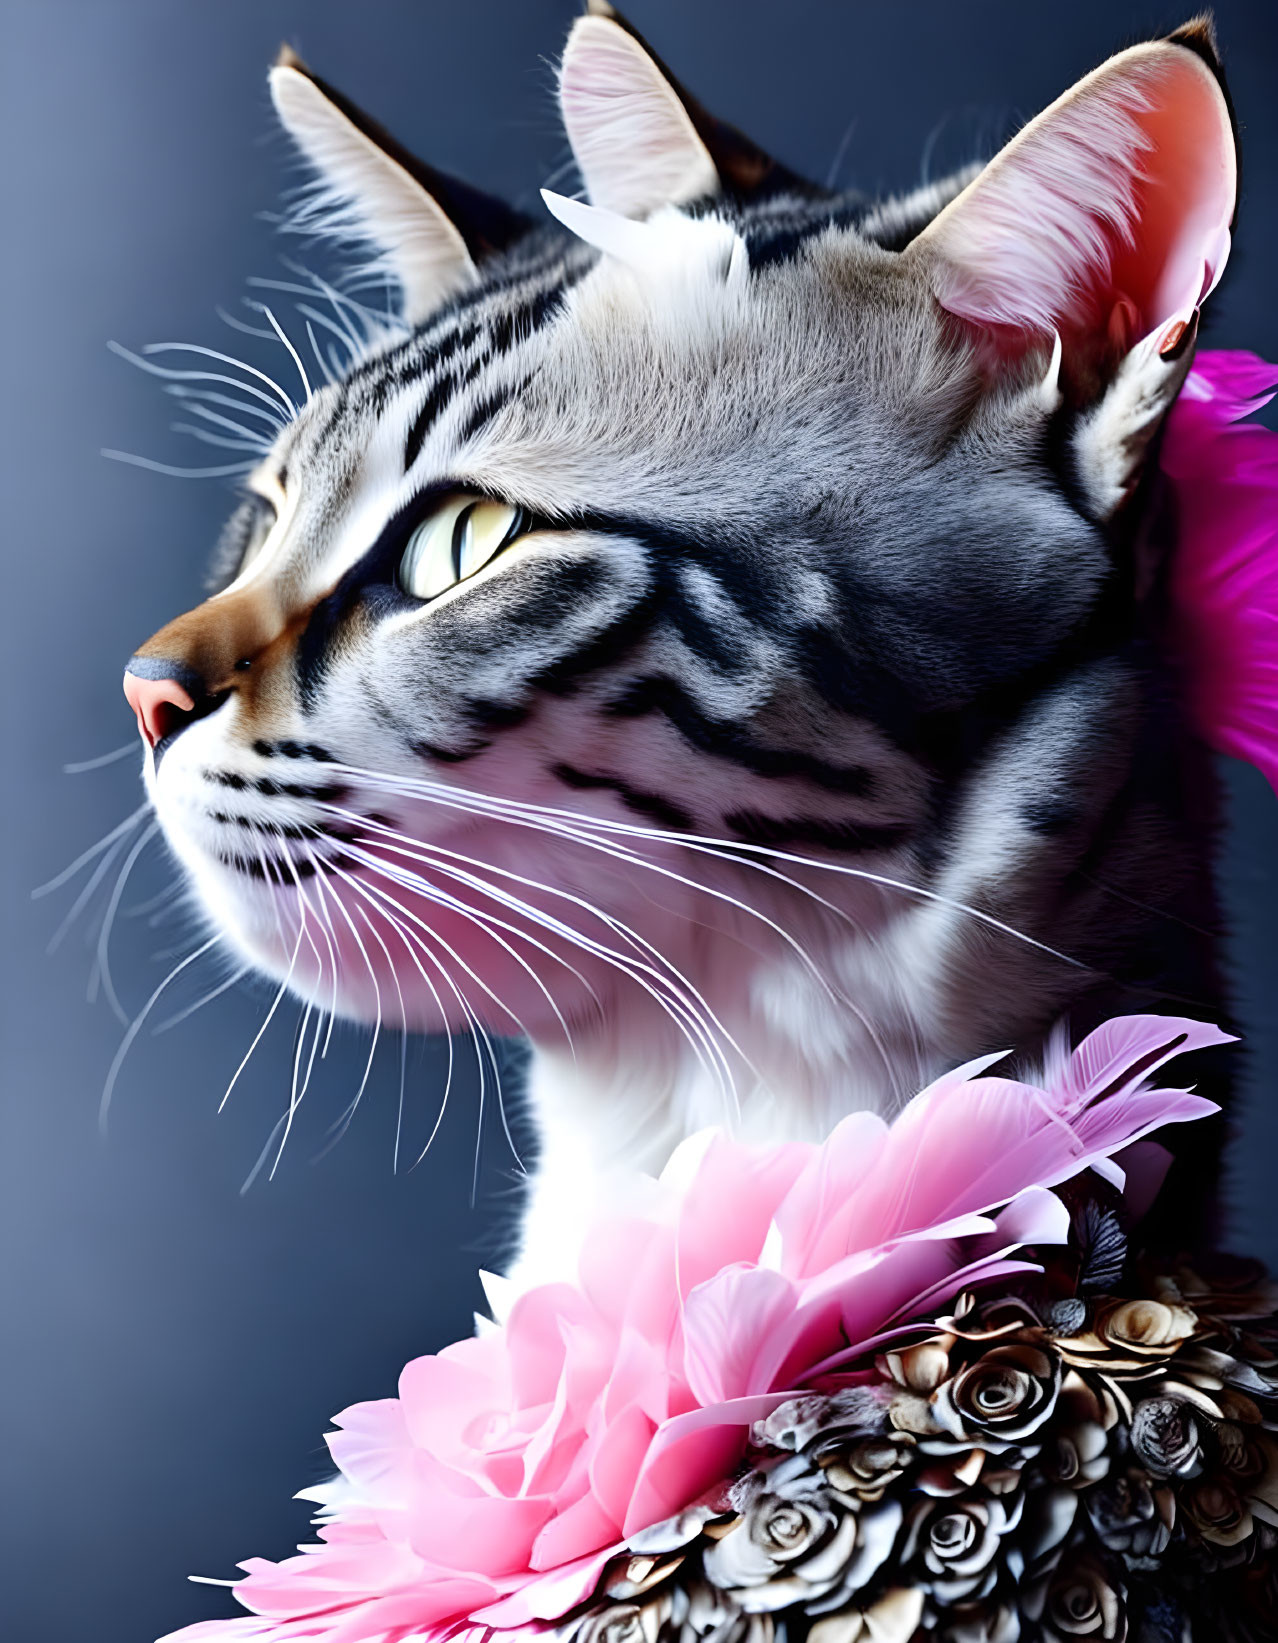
<point x="339" y="946"/>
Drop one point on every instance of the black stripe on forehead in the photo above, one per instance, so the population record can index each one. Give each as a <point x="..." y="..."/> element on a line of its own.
<point x="779" y="237"/>
<point x="445" y="388"/>
<point x="502" y="333"/>
<point x="550" y="256"/>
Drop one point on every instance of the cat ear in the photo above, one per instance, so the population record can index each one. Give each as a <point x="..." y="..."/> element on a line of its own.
<point x="428" y="230"/>
<point x="1104" y="220"/>
<point x="640" y="141"/>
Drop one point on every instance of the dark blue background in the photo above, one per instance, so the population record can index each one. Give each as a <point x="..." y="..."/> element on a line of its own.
<point x="172" y="1349"/>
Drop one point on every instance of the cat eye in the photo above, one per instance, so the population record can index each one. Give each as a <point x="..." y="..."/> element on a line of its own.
<point x="458" y="539"/>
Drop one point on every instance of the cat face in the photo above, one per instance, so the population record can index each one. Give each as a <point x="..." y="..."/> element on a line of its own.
<point x="717" y="510"/>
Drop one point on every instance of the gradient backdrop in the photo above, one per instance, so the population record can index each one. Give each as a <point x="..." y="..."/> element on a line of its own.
<point x="171" y="1346"/>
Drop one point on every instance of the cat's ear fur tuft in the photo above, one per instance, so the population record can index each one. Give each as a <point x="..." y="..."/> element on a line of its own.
<point x="1106" y="220"/>
<point x="427" y="230"/>
<point x="1113" y="437"/>
<point x="1108" y="214"/>
<point x="640" y="141"/>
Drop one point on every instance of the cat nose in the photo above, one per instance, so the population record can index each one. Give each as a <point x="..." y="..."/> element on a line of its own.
<point x="166" y="696"/>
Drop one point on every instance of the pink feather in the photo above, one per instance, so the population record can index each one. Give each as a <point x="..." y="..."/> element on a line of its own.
<point x="1224" y="470"/>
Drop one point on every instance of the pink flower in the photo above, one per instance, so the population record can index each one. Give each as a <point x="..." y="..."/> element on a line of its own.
<point x="492" y="1491"/>
<point x="1224" y="470"/>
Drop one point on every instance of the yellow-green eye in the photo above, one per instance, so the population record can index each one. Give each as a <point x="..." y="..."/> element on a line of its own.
<point x="459" y="538"/>
<point x="486" y="528"/>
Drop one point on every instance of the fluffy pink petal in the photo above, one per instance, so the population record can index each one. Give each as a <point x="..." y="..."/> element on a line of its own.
<point x="965" y="1147"/>
<point x="755" y="1181"/>
<point x="534" y="1340"/>
<point x="473" y="1534"/>
<point x="1127" y="1049"/>
<point x="726" y="1322"/>
<point x="432" y="1390"/>
<point x="812" y="1218"/>
<point x="617" y="1460"/>
<point x="547" y="1596"/>
<point x="688" y="1456"/>
<point x="371" y="1447"/>
<point x="578" y="1530"/>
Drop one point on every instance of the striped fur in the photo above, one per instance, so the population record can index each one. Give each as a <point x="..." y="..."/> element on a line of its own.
<point x="808" y="580"/>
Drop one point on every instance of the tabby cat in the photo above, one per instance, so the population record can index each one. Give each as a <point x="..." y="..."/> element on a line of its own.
<point x="719" y="632"/>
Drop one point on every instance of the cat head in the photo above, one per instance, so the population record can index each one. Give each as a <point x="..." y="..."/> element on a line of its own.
<point x="708" y="508"/>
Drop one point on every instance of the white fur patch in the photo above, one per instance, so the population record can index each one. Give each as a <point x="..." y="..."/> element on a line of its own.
<point x="668" y="248"/>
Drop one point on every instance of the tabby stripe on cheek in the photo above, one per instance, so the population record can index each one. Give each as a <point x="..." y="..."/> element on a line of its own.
<point x="652" y="805"/>
<point x="756" y="828"/>
<point x="659" y="694"/>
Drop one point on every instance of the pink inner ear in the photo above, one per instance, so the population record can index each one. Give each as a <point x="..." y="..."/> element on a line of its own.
<point x="1106" y="217"/>
<point x="1184" y="201"/>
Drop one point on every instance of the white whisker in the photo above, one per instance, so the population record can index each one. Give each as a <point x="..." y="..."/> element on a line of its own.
<point x="258" y="1036"/>
<point x="294" y="1096"/>
<point x="731" y="850"/>
<point x="224" y="359"/>
<point x="492" y="924"/>
<point x="286" y="340"/>
<point x="221" y="472"/>
<point x="108" y="921"/>
<point x="348" y="340"/>
<point x="263" y="1155"/>
<point x="344" y="1119"/>
<point x="682" y="984"/>
<point x="221" y="440"/>
<point x="378" y="899"/>
<point x="170" y="374"/>
<point x="297" y="1093"/>
<point x="700" y="1037"/>
<point x="192" y="398"/>
<point x="325" y="928"/>
<point x="329" y="377"/>
<point x="254" y="436"/>
<point x="191" y="1009"/>
<point x="81" y="766"/>
<point x="87" y="856"/>
<point x="403" y="1044"/>
<point x="243" y="326"/>
<point x="497" y="1085"/>
<point x="135" y="1026"/>
<point x="82" y="900"/>
<point x="377" y="991"/>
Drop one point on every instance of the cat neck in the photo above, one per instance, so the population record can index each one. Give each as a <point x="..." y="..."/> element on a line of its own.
<point x="794" y="1038"/>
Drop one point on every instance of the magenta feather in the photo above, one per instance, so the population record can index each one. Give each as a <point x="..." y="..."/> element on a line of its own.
<point x="1224" y="470"/>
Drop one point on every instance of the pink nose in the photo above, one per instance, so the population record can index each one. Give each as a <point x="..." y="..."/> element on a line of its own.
<point x="160" y="704"/>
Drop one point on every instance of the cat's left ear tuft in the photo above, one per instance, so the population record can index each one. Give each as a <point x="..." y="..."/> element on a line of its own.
<point x="429" y="231"/>
<point x="639" y="139"/>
